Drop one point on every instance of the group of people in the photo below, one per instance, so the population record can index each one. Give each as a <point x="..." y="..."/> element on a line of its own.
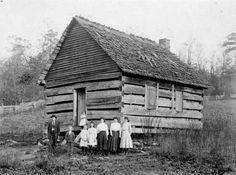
<point x="97" y="140"/>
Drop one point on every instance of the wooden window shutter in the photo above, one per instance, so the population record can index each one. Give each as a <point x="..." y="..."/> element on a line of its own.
<point x="179" y="101"/>
<point x="150" y="97"/>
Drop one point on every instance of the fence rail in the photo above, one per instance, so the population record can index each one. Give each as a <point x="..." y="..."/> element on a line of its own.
<point x="22" y="107"/>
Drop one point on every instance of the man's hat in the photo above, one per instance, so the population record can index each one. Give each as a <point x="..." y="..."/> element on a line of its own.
<point x="53" y="116"/>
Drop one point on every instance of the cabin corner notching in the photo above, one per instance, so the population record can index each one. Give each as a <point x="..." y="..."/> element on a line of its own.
<point x="97" y="70"/>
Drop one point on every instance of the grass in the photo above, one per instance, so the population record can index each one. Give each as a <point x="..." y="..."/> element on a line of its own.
<point x="215" y="144"/>
<point x="23" y="127"/>
<point x="9" y="159"/>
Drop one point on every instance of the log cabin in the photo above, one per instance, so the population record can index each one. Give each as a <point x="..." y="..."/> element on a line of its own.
<point x="108" y="73"/>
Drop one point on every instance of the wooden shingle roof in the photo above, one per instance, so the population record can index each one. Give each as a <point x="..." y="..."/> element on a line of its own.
<point x="140" y="56"/>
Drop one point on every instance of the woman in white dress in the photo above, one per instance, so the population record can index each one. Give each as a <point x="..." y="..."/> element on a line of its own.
<point x="126" y="141"/>
<point x="83" y="137"/>
<point x="92" y="141"/>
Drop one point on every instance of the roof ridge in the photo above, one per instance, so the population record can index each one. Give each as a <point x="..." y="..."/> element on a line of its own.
<point x="115" y="30"/>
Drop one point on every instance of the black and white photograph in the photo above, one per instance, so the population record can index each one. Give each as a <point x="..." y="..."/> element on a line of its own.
<point x="117" y="87"/>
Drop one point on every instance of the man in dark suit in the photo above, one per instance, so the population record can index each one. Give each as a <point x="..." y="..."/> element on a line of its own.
<point x="53" y="133"/>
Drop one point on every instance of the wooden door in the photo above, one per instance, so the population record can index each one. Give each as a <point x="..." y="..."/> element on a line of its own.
<point x="79" y="104"/>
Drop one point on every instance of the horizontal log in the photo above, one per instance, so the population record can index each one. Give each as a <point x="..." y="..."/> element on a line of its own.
<point x="165" y="122"/>
<point x="108" y="116"/>
<point x="192" y="105"/>
<point x="141" y="111"/>
<point x="192" y="90"/>
<point x="139" y="130"/>
<point x="163" y="85"/>
<point x="59" y="99"/>
<point x="63" y="118"/>
<point x="104" y="112"/>
<point x="133" y="89"/>
<point x="93" y="77"/>
<point x="59" y="107"/>
<point x="96" y="121"/>
<point x="164" y="102"/>
<point x="163" y="109"/>
<point x="102" y="94"/>
<point x="194" y="97"/>
<point x="108" y="106"/>
<point x="137" y="81"/>
<point x="133" y="99"/>
<point x="90" y="86"/>
<point x="165" y="93"/>
<point x="103" y="101"/>
<point x="54" y="92"/>
<point x="62" y="115"/>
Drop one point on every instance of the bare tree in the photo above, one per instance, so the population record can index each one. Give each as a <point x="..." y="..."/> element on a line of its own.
<point x="228" y="75"/>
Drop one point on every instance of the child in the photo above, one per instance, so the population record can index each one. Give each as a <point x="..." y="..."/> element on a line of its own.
<point x="126" y="141"/>
<point x="83" y="137"/>
<point x="70" y="137"/>
<point x="83" y="119"/>
<point x="92" y="141"/>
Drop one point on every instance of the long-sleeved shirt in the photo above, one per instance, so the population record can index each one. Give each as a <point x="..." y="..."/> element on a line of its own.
<point x="115" y="127"/>
<point x="102" y="127"/>
<point x="70" y="137"/>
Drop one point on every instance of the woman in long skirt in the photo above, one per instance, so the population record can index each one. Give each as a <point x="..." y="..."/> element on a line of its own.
<point x="102" y="129"/>
<point x="126" y="141"/>
<point x="115" y="132"/>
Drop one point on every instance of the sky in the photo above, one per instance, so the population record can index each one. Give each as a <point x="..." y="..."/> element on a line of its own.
<point x="207" y="21"/>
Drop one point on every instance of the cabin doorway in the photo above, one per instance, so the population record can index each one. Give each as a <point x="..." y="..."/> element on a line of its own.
<point x="79" y="104"/>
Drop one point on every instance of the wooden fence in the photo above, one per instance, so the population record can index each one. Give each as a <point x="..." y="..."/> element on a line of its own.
<point x="22" y="107"/>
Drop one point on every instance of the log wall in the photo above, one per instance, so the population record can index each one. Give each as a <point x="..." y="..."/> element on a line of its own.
<point x="176" y="107"/>
<point x="103" y="99"/>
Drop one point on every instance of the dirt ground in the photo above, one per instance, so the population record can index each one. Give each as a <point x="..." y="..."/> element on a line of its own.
<point x="34" y="159"/>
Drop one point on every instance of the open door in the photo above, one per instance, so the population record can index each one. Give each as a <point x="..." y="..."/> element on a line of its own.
<point x="79" y="104"/>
